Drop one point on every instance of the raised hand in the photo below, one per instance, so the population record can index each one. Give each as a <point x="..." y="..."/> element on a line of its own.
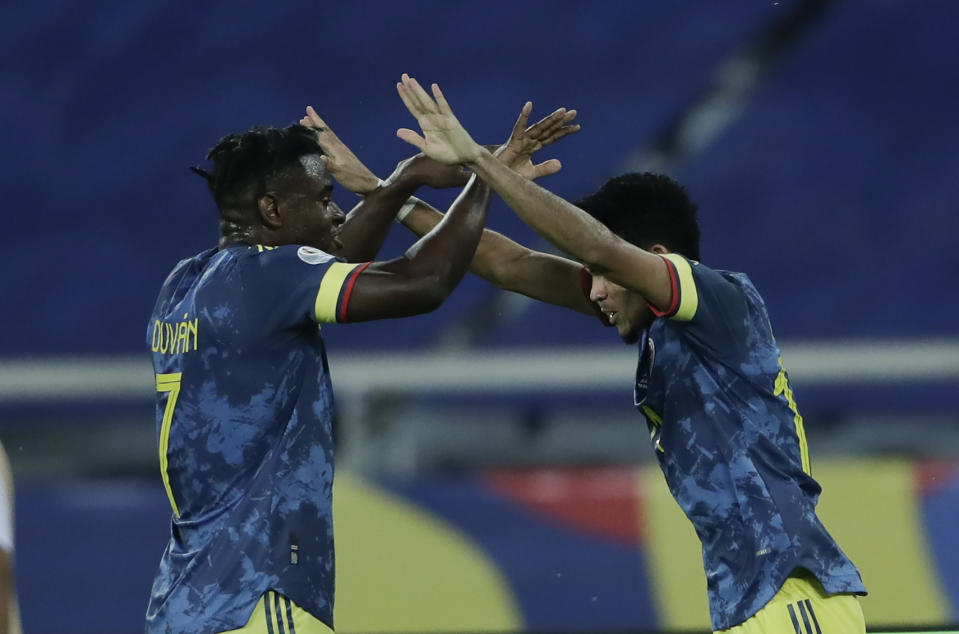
<point x="343" y="165"/>
<point x="523" y="142"/>
<point x="444" y="138"/>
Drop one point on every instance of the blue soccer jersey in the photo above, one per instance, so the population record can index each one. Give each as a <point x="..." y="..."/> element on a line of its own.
<point x="244" y="421"/>
<point x="730" y="441"/>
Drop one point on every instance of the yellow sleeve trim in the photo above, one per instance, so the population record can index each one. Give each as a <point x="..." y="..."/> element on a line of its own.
<point x="689" y="296"/>
<point x="329" y="294"/>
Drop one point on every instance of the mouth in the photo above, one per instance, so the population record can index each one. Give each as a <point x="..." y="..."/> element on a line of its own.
<point x="610" y="315"/>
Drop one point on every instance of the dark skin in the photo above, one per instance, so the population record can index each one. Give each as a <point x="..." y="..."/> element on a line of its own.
<point x="368" y="223"/>
<point x="298" y="209"/>
<point x="499" y="260"/>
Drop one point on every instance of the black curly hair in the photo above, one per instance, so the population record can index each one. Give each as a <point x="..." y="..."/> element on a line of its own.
<point x="647" y="209"/>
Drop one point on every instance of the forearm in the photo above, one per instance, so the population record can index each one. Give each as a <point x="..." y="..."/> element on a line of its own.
<point x="368" y="224"/>
<point x="558" y="221"/>
<point x="514" y="267"/>
<point x="493" y="253"/>
<point x="446" y="249"/>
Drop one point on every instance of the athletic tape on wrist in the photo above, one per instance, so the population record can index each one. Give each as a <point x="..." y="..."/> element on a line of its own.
<point x="407" y="208"/>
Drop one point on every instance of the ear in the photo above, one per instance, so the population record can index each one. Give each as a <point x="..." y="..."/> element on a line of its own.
<point x="269" y="211"/>
<point x="658" y="249"/>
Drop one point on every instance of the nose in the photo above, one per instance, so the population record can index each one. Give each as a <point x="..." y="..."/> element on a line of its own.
<point x="598" y="290"/>
<point x="338" y="216"/>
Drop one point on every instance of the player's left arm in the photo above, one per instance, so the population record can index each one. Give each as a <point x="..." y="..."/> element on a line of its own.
<point x="562" y="223"/>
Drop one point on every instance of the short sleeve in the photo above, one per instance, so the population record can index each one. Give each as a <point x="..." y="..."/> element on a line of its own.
<point x="700" y="295"/>
<point x="291" y="285"/>
<point x="685" y="294"/>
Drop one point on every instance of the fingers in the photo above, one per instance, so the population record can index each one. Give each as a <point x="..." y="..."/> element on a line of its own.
<point x="547" y="122"/>
<point x="546" y="168"/>
<point x="554" y="127"/>
<point x="421" y="102"/>
<point x="425" y="102"/>
<point x="560" y="133"/>
<point x="444" y="105"/>
<point x="421" y="98"/>
<point x="521" y="120"/>
<point x="315" y="119"/>
<point x="412" y="138"/>
<point x="324" y="135"/>
<point x="547" y="125"/>
<point x="408" y="101"/>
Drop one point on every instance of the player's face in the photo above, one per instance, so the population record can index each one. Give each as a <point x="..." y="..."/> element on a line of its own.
<point x="625" y="309"/>
<point x="311" y="216"/>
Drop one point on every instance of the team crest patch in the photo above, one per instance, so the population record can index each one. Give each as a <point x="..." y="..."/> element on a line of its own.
<point x="313" y="256"/>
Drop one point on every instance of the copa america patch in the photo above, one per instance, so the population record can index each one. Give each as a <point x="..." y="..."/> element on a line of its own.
<point x="313" y="256"/>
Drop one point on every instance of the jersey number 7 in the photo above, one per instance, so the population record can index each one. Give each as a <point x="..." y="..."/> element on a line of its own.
<point x="169" y="383"/>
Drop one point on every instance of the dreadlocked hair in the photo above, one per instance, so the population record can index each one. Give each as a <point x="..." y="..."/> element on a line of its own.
<point x="245" y="163"/>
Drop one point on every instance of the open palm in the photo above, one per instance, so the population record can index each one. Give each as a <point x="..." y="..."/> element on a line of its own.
<point x="343" y="165"/>
<point x="444" y="138"/>
<point x="517" y="152"/>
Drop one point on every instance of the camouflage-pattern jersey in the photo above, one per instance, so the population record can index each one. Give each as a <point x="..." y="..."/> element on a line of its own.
<point x="244" y="407"/>
<point x="726" y="431"/>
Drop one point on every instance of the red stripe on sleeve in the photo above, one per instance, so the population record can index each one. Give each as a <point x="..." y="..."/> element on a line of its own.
<point x="348" y="291"/>
<point x="674" y="286"/>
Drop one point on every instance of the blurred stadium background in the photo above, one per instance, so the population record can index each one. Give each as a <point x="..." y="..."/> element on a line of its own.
<point x="493" y="476"/>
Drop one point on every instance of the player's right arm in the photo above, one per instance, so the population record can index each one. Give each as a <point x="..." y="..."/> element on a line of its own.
<point x="514" y="267"/>
<point x="420" y="280"/>
<point x="290" y="285"/>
